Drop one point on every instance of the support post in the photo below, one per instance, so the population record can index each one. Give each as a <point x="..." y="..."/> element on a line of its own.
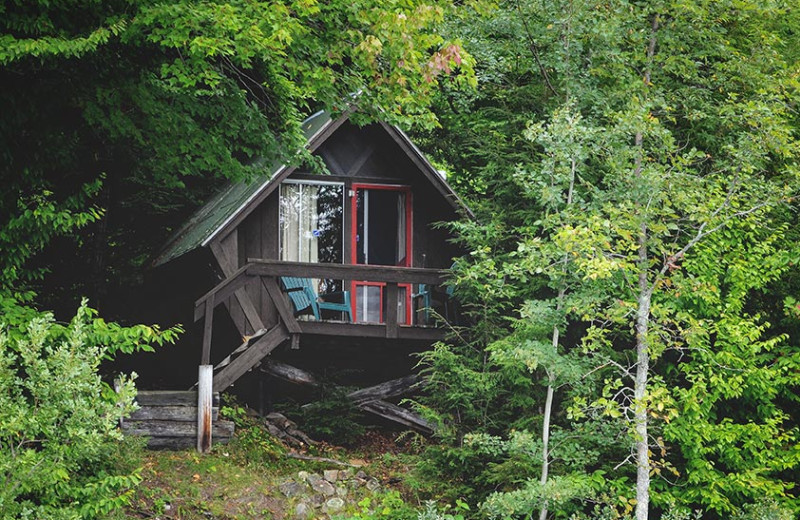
<point x="209" y="320"/>
<point x="390" y="296"/>
<point x="205" y="377"/>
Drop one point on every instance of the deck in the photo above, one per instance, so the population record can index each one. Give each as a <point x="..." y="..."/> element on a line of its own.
<point x="288" y="328"/>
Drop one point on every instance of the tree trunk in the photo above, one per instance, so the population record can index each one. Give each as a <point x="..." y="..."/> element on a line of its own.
<point x="642" y="325"/>
<point x="640" y="384"/>
<point x="551" y="380"/>
<point x="548" y="410"/>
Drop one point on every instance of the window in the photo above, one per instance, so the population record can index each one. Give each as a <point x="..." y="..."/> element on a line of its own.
<point x="311" y="223"/>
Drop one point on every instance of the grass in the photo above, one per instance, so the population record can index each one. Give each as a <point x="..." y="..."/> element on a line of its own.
<point x="240" y="481"/>
<point x="187" y="485"/>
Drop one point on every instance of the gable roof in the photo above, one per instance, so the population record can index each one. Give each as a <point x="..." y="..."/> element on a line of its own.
<point x="235" y="201"/>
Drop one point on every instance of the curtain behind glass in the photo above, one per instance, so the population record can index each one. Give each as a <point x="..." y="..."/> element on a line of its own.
<point x="312" y="226"/>
<point x="298" y="223"/>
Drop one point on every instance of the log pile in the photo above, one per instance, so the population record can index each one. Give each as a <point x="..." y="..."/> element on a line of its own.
<point x="286" y="430"/>
<point x="169" y="419"/>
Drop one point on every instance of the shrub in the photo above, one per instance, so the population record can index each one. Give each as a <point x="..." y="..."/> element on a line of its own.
<point x="59" y="441"/>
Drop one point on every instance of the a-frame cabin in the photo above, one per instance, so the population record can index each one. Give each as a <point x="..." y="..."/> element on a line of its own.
<point x="362" y="242"/>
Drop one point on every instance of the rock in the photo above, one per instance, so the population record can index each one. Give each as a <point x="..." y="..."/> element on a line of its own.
<point x="346" y="473"/>
<point x="361" y="475"/>
<point x="302" y="476"/>
<point x="302" y="511"/>
<point x="317" y="500"/>
<point x="291" y="488"/>
<point x="373" y="484"/>
<point x="331" y="475"/>
<point x="313" y="478"/>
<point x="341" y="491"/>
<point x="324" y="487"/>
<point x="333" y="505"/>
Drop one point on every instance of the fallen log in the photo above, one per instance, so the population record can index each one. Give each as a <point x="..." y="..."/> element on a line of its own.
<point x="385" y="390"/>
<point x="398" y="414"/>
<point x="288" y="373"/>
<point x="286" y="430"/>
<point x="369" y="399"/>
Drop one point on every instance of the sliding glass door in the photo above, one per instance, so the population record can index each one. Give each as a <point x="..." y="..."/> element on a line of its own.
<point x="380" y="235"/>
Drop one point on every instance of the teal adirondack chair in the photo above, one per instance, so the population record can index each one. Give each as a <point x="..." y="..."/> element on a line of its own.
<point x="425" y="296"/>
<point x="305" y="298"/>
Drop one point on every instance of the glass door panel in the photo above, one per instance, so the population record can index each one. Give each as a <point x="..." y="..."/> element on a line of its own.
<point x="311" y="226"/>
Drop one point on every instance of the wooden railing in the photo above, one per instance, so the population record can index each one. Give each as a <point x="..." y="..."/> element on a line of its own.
<point x="268" y="272"/>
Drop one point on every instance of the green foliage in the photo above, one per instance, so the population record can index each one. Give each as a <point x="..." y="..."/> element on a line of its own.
<point x="737" y="381"/>
<point x="433" y="512"/>
<point x="333" y="417"/>
<point x="120" y="117"/>
<point x="252" y="443"/>
<point x="61" y="446"/>
<point x="387" y="505"/>
<point x="763" y="509"/>
<point x="631" y="195"/>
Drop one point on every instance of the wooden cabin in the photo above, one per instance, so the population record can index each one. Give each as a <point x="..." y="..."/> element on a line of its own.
<point x="362" y="242"/>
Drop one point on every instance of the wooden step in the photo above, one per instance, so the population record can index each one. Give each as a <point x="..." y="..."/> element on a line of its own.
<point x="171" y="398"/>
<point x="170" y="413"/>
<point x="219" y="430"/>
<point x="169" y="419"/>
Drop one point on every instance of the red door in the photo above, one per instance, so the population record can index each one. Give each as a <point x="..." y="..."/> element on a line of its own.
<point x="380" y="235"/>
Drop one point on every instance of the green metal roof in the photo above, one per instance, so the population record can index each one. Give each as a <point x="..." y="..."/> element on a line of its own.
<point x="204" y="223"/>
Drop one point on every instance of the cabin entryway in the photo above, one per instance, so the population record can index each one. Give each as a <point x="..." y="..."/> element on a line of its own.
<point x="380" y="235"/>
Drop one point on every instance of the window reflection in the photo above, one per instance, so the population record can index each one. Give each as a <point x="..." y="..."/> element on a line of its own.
<point x="311" y="226"/>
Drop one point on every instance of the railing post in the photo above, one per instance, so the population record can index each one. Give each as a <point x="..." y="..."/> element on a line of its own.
<point x="390" y="297"/>
<point x="205" y="377"/>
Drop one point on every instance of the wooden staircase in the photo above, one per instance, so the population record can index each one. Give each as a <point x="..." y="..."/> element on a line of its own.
<point x="248" y="355"/>
<point x="169" y="419"/>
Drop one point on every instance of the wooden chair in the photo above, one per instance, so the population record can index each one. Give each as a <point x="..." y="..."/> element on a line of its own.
<point x="305" y="298"/>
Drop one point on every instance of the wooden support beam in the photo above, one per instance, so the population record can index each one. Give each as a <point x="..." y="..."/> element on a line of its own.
<point x="285" y="312"/>
<point x="371" y="330"/>
<point x="248" y="340"/>
<point x="223" y="290"/>
<point x="228" y="266"/>
<point x="205" y="377"/>
<point x="207" y="331"/>
<point x="250" y="357"/>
